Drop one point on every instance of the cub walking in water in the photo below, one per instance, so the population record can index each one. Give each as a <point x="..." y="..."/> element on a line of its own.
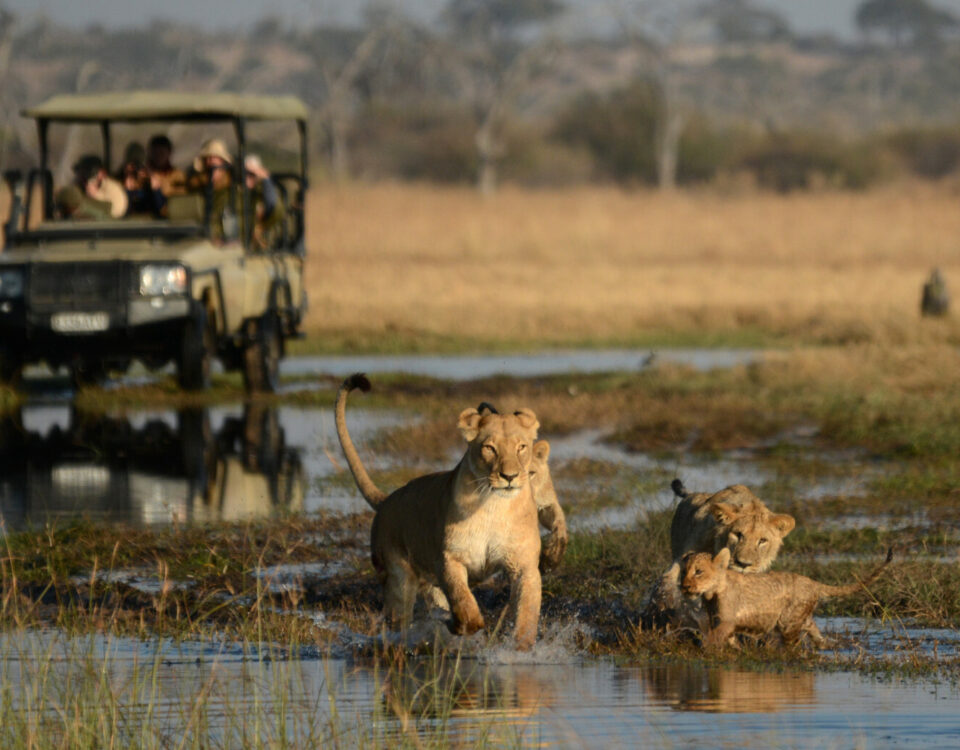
<point x="458" y="527"/>
<point x="733" y="518"/>
<point x="759" y="603"/>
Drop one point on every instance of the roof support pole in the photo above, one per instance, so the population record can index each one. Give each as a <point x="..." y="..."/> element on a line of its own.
<point x="105" y="136"/>
<point x="46" y="180"/>
<point x="246" y="222"/>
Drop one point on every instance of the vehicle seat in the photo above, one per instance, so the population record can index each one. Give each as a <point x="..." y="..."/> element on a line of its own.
<point x="185" y="208"/>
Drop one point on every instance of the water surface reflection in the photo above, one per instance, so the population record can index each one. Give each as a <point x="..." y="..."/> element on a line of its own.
<point x="146" y="469"/>
<point x="222" y="694"/>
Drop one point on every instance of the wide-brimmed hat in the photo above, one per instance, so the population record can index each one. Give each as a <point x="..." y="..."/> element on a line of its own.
<point x="215" y="147"/>
<point x="254" y="166"/>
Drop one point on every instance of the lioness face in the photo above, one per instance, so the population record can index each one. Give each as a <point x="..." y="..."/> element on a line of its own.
<point x="500" y="448"/>
<point x="753" y="535"/>
<point x="703" y="573"/>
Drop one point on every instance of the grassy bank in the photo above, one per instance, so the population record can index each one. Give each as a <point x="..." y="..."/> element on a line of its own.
<point x="422" y="268"/>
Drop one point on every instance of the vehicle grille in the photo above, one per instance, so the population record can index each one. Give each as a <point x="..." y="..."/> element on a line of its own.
<point x="76" y="286"/>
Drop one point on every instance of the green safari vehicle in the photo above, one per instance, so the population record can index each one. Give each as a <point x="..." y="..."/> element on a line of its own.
<point x="188" y="284"/>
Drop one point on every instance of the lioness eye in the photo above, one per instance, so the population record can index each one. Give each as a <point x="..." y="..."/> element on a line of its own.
<point x="697" y="572"/>
<point x="521" y="448"/>
<point x="490" y="449"/>
<point x="762" y="541"/>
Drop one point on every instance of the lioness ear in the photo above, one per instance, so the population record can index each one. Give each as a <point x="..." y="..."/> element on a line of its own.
<point x="783" y="523"/>
<point x="541" y="450"/>
<point x="724" y="514"/>
<point x="527" y="419"/>
<point x="469" y="424"/>
<point x="722" y="558"/>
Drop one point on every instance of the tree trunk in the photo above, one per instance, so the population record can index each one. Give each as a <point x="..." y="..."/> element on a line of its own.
<point x="339" y="151"/>
<point x="668" y="149"/>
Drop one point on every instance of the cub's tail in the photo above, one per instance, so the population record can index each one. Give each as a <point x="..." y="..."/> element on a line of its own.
<point x="852" y="588"/>
<point x="371" y="493"/>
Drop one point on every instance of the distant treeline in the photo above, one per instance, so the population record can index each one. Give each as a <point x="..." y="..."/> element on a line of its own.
<point x="681" y="92"/>
<point x="609" y="138"/>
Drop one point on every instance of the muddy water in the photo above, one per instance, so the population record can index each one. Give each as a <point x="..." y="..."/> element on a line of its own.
<point x="309" y="698"/>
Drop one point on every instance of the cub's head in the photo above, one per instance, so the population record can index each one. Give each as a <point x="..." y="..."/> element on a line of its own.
<point x="748" y="529"/>
<point x="540" y="480"/>
<point x="500" y="448"/>
<point x="703" y="573"/>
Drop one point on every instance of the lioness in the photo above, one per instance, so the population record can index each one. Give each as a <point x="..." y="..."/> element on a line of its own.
<point x="759" y="603"/>
<point x="733" y="518"/>
<point x="456" y="527"/>
<point x="549" y="512"/>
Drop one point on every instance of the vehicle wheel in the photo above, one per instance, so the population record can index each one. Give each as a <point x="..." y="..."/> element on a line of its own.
<point x="87" y="372"/>
<point x="261" y="357"/>
<point x="11" y="369"/>
<point x="197" y="350"/>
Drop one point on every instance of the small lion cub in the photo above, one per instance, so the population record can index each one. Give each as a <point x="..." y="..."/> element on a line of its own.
<point x="759" y="603"/>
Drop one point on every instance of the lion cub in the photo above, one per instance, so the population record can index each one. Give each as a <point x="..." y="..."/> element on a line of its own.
<point x="458" y="527"/>
<point x="734" y="519"/>
<point x="759" y="603"/>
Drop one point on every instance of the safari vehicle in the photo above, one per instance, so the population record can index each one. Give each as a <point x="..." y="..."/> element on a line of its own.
<point x="194" y="285"/>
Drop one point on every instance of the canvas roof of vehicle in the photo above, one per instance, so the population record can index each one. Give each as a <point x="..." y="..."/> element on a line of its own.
<point x="132" y="106"/>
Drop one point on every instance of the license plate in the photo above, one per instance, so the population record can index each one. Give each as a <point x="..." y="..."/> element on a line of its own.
<point x="80" y="479"/>
<point x="80" y="322"/>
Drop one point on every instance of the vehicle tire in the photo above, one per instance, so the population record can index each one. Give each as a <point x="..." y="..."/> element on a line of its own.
<point x="261" y="357"/>
<point x="197" y="350"/>
<point x="11" y="368"/>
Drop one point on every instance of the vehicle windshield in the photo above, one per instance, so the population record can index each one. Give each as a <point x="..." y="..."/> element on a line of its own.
<point x="166" y="180"/>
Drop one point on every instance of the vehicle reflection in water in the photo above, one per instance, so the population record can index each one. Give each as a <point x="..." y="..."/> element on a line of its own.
<point x="167" y="468"/>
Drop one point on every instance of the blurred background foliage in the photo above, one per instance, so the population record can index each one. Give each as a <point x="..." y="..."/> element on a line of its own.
<point x="651" y="93"/>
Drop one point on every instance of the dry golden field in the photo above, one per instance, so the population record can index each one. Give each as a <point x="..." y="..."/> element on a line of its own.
<point x="527" y="268"/>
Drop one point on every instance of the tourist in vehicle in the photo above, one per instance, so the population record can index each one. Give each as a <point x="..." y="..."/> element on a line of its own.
<point x="143" y="188"/>
<point x="267" y="207"/>
<point x="92" y="195"/>
<point x="212" y="168"/>
<point x="159" y="153"/>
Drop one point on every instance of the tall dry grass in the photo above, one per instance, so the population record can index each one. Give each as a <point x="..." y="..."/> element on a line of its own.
<point x="610" y="265"/>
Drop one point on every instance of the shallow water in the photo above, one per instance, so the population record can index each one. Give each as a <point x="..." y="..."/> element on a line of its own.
<point x="233" y="462"/>
<point x="567" y="703"/>
<point x="466" y="367"/>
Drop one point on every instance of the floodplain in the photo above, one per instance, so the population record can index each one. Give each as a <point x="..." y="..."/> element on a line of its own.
<point x="184" y="573"/>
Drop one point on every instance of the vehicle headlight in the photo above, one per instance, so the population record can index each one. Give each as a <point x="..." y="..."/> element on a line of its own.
<point x="157" y="280"/>
<point x="11" y="283"/>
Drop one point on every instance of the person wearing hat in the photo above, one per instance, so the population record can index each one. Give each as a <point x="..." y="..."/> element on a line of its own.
<point x="93" y="194"/>
<point x="159" y="152"/>
<point x="213" y="167"/>
<point x="213" y="162"/>
<point x="267" y="206"/>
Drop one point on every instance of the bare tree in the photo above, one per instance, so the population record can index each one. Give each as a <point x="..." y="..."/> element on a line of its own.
<point x="656" y="29"/>
<point x="497" y="48"/>
<point x="369" y="52"/>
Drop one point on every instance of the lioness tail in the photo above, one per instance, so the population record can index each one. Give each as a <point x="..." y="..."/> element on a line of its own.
<point x="678" y="489"/>
<point x="371" y="493"/>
